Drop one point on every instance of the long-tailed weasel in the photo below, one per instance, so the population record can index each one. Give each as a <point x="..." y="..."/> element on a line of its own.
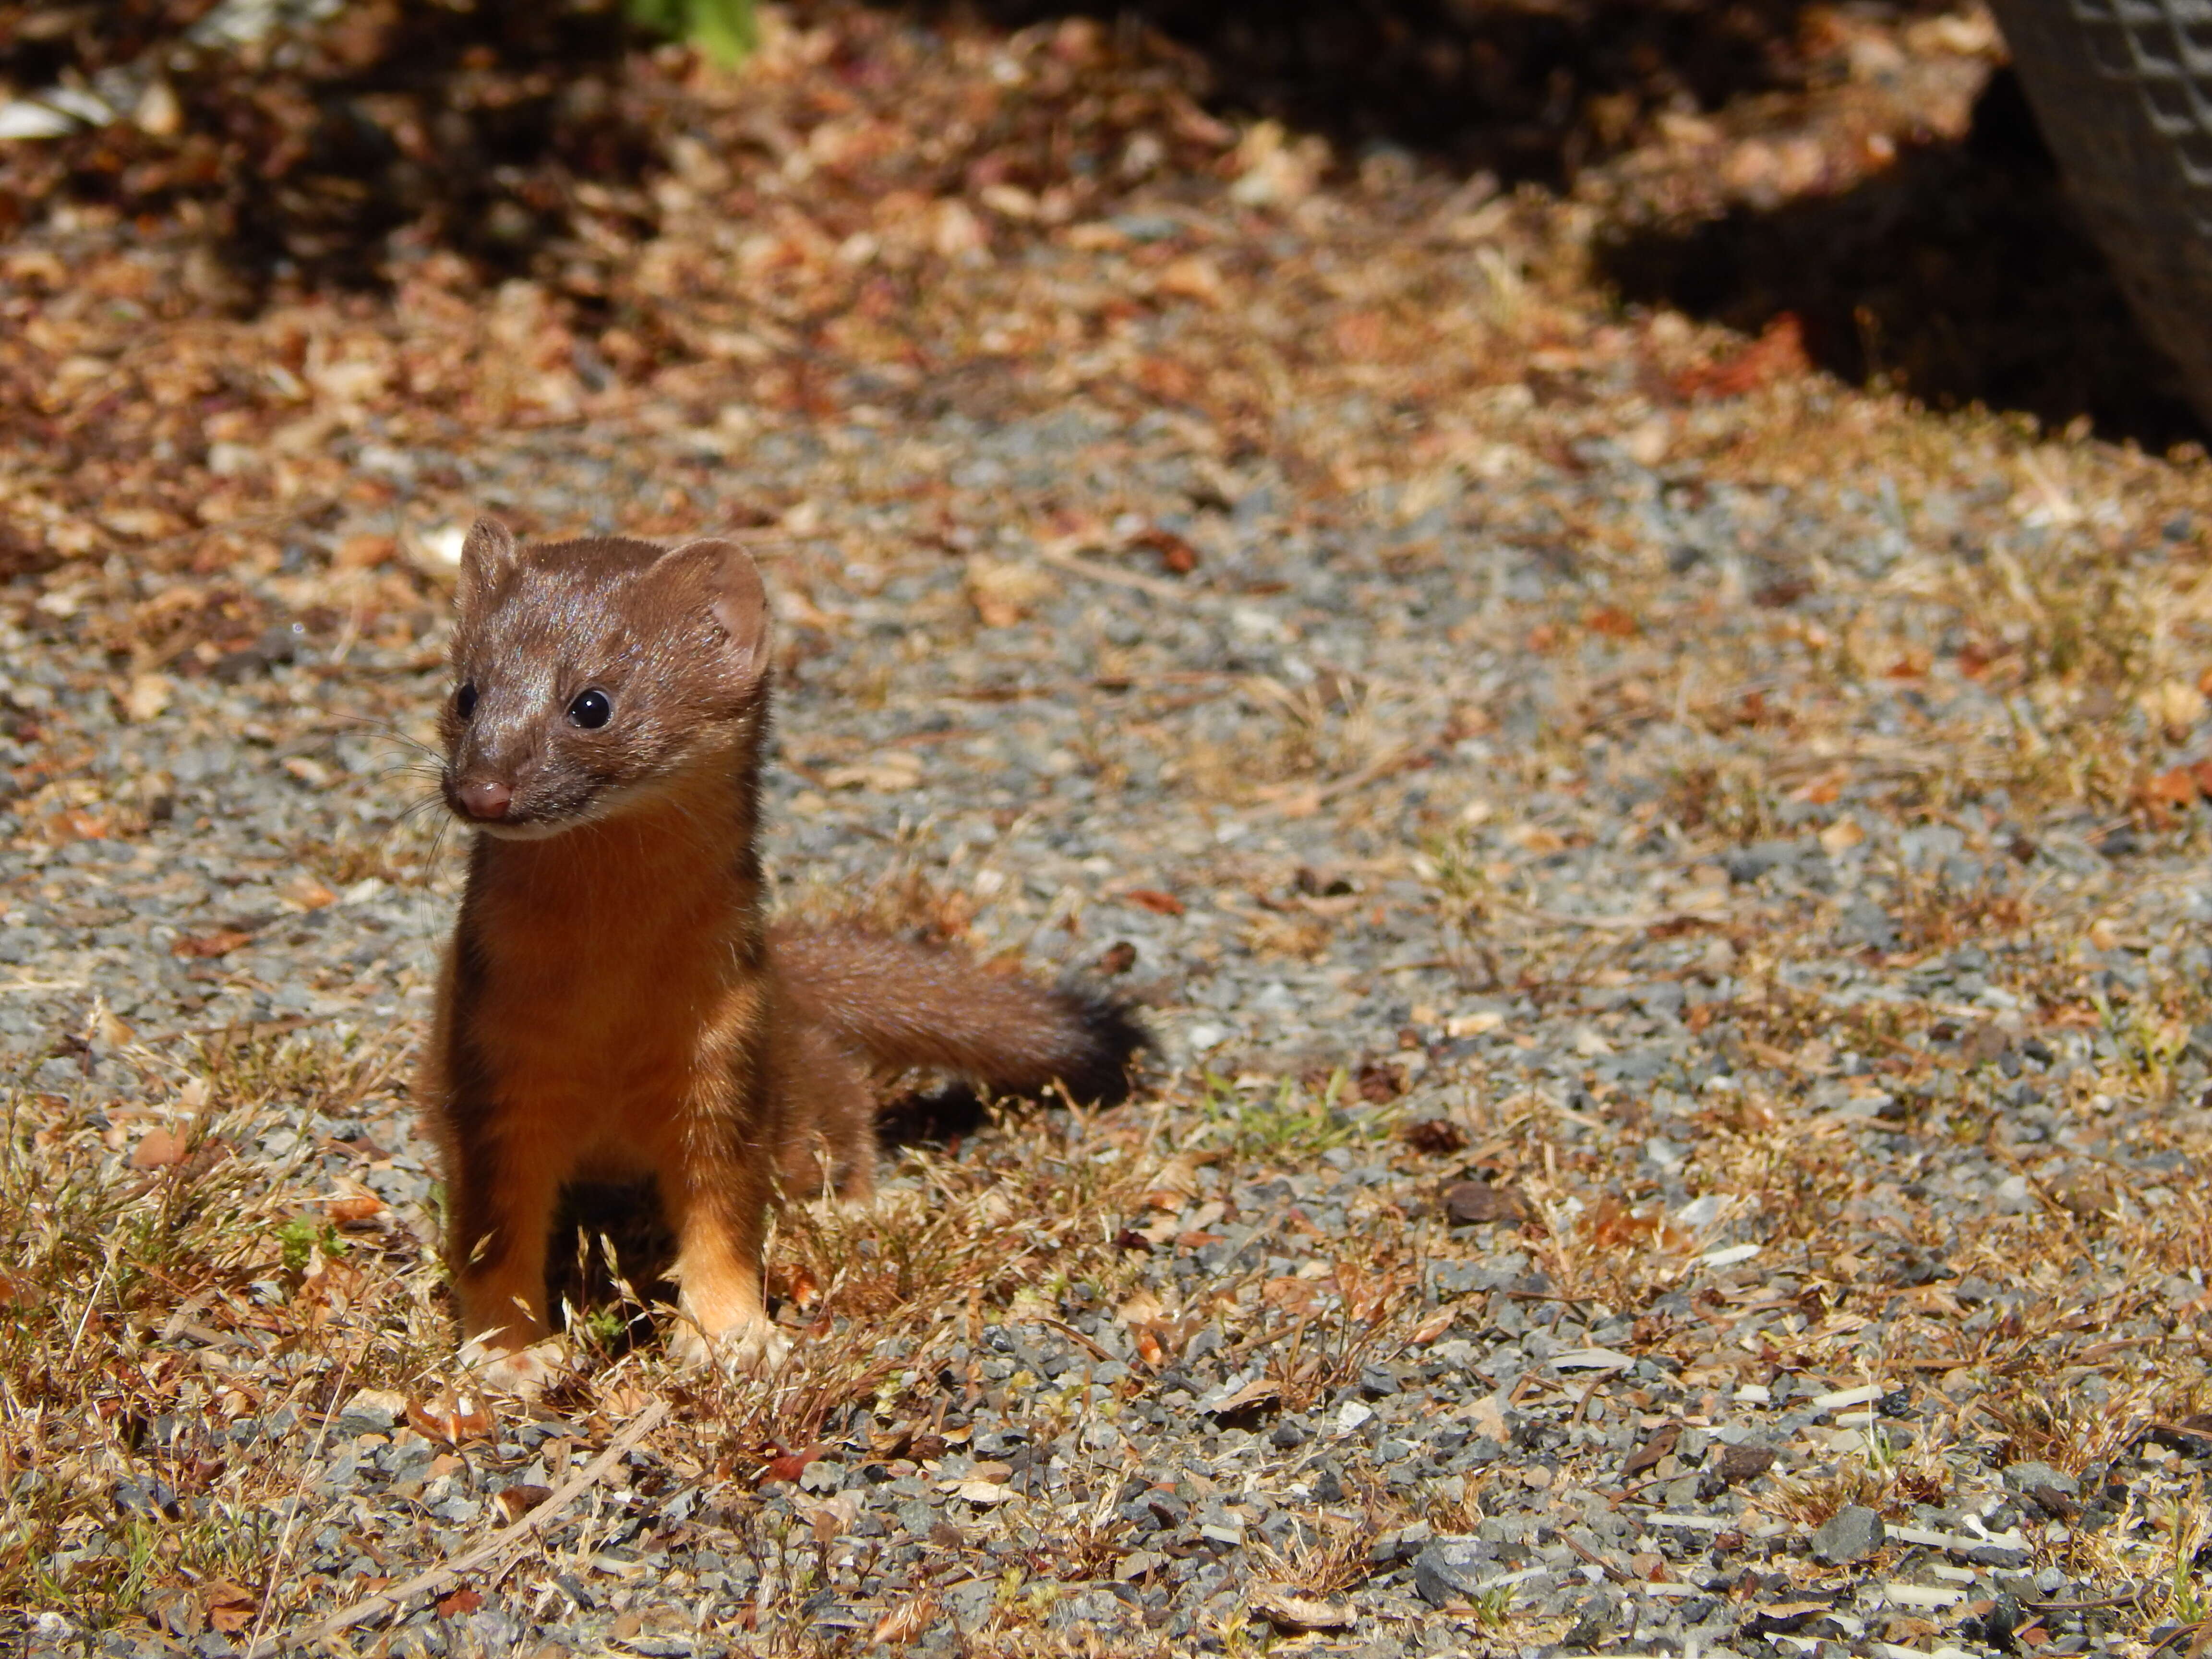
<point x="615" y="1002"/>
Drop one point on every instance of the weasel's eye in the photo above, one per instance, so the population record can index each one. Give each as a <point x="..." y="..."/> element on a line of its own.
<point x="592" y="709"/>
<point x="464" y="701"/>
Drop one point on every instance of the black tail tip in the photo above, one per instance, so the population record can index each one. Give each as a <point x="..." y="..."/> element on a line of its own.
<point x="1113" y="1039"/>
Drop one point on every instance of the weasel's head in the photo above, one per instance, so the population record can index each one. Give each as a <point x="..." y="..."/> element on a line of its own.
<point x="590" y="676"/>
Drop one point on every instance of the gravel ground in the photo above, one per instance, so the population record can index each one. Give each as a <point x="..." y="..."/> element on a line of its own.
<point x="1672" y="910"/>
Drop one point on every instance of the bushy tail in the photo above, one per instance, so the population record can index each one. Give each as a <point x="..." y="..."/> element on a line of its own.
<point x="902" y="1004"/>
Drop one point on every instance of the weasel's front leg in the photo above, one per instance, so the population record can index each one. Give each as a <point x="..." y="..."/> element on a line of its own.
<point x="504" y="1190"/>
<point x="719" y="1207"/>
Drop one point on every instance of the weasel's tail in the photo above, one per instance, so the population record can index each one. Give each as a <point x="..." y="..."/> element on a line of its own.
<point x="902" y="1004"/>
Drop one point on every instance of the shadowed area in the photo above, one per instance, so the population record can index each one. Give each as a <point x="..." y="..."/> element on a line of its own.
<point x="1961" y="274"/>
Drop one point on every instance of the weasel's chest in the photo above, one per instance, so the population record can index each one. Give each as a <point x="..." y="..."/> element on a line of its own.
<point x="592" y="1005"/>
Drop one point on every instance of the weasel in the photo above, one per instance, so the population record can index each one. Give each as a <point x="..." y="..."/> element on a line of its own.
<point x="615" y="1002"/>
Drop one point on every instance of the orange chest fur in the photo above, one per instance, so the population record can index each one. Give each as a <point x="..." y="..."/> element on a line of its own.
<point x="601" y="1005"/>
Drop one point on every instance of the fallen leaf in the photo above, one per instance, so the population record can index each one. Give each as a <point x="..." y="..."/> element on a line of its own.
<point x="1004" y="591"/>
<point x="1237" y="1402"/>
<point x="453" y="1417"/>
<point x="1777" y="353"/>
<point x="892" y="772"/>
<point x="789" y="1466"/>
<point x="2174" y="706"/>
<point x="1151" y="898"/>
<point x="2169" y="791"/>
<point x="365" y="552"/>
<point x="230" y="1607"/>
<point x="1612" y="621"/>
<point x="1432" y="1327"/>
<point x="906" y="1621"/>
<point x="1656" y="1444"/>
<point x="1292" y="1614"/>
<point x="465" y="1600"/>
<point x="147" y="695"/>
<point x="220" y="943"/>
<point x="1177" y="556"/>
<point x="307" y="893"/>
<point x="1739" y="1463"/>
<point x="157" y="1149"/>
<point x="1435" y="1136"/>
<point x="1841" y="837"/>
<point x="983" y="1494"/>
<point x="517" y="1501"/>
<point x="1473" y="1203"/>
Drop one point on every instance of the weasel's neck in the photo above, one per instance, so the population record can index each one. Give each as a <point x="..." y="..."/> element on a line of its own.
<point x="684" y="865"/>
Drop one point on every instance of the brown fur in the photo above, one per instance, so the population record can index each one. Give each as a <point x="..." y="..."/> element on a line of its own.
<point x="613" y="1004"/>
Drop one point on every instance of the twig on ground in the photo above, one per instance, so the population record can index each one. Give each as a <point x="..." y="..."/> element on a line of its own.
<point x="1157" y="587"/>
<point x="501" y="1541"/>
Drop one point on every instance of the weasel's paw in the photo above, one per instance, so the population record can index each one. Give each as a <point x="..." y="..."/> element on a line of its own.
<point x="527" y="1372"/>
<point x="754" y="1348"/>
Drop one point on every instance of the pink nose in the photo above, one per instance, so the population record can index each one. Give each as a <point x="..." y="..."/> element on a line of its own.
<point x="485" y="798"/>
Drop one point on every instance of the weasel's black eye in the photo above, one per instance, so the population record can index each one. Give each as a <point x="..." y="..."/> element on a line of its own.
<point x="592" y="709"/>
<point x="464" y="701"/>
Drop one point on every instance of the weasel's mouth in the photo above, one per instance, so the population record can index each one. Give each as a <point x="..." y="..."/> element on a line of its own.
<point x="536" y="818"/>
<point x="523" y="828"/>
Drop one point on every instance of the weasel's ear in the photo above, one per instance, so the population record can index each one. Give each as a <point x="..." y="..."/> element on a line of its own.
<point x="734" y="594"/>
<point x="487" y="556"/>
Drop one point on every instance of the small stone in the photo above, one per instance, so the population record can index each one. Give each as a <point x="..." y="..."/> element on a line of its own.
<point x="1138" y="1563"/>
<point x="1453" y="1569"/>
<point x="1851" y="1534"/>
<point x="371" y="1411"/>
<point x="2025" y="1477"/>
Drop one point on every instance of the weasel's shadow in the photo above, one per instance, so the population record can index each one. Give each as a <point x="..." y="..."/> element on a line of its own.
<point x="1961" y="274"/>
<point x="613" y="1252"/>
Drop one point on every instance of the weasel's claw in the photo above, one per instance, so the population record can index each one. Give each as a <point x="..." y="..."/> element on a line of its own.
<point x="754" y="1348"/>
<point x="526" y="1372"/>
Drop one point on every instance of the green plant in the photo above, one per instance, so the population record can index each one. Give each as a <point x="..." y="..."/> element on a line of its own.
<point x="724" y="31"/>
<point x="298" y="1238"/>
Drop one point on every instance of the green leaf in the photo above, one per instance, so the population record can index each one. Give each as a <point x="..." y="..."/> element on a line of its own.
<point x="723" y="31"/>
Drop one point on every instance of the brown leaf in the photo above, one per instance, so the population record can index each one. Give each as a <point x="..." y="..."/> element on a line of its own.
<point x="1259" y="1392"/>
<point x="1431" y="1328"/>
<point x="1612" y="622"/>
<point x="1740" y="1463"/>
<point x="906" y="1621"/>
<point x="219" y="943"/>
<point x="1437" y="1136"/>
<point x="1177" y="556"/>
<point x="1293" y="1614"/>
<point x="1777" y="353"/>
<point x="518" y="1501"/>
<point x="1472" y="1203"/>
<point x="1117" y="958"/>
<point x="2169" y="790"/>
<point x="789" y="1466"/>
<point x="1151" y="898"/>
<point x="359" y="1211"/>
<point x="365" y="552"/>
<point x="157" y="1149"/>
<point x="230" y="1607"/>
<point x="1656" y="1444"/>
<point x="465" y="1600"/>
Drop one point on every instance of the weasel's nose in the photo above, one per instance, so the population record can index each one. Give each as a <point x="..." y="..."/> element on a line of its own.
<point x="485" y="798"/>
